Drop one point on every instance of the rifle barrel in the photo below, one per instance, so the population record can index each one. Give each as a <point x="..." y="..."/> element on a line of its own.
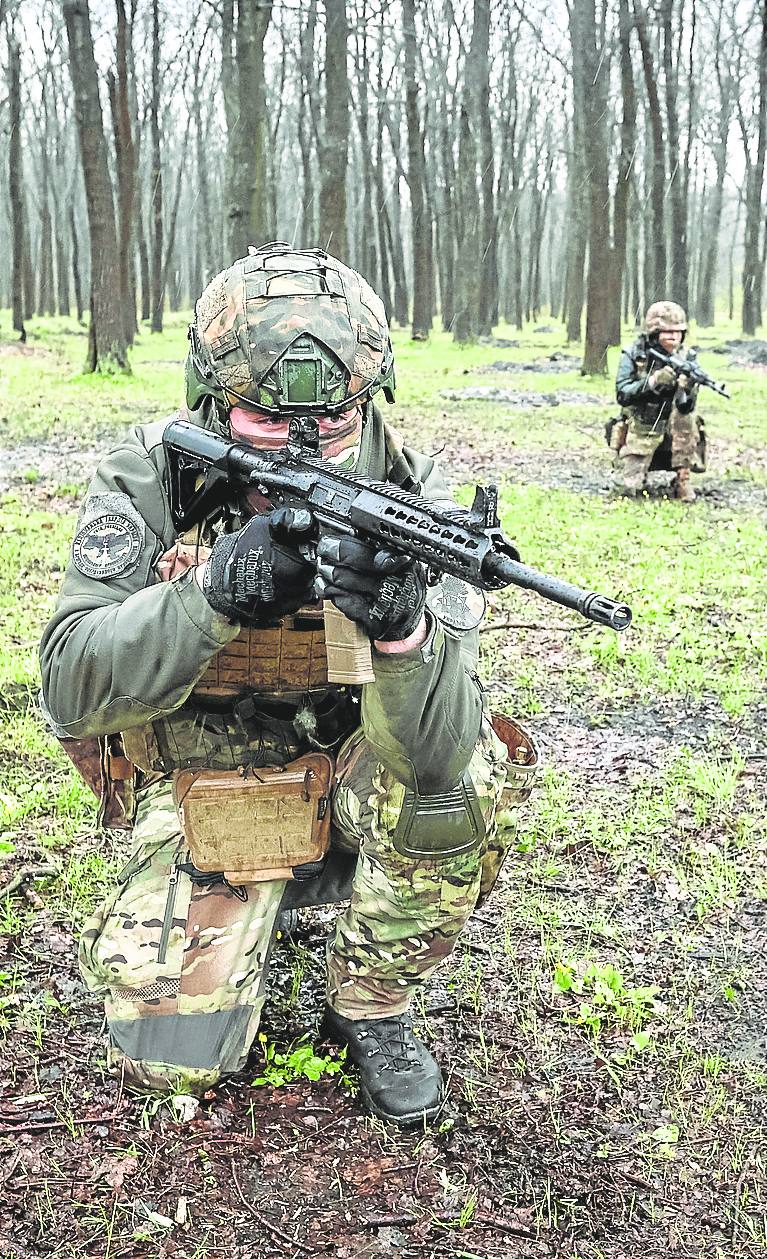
<point x="593" y="606"/>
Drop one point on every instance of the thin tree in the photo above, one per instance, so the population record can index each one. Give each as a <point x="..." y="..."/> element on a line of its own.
<point x="469" y="246"/>
<point x="107" y="348"/>
<point x="15" y="187"/>
<point x="248" y="209"/>
<point x="416" y="180"/>
<point x="752" y="262"/>
<point x="125" y="161"/>
<point x="335" y="140"/>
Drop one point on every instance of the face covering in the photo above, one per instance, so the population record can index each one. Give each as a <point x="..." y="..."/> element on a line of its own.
<point x="340" y="439"/>
<point x="340" y="435"/>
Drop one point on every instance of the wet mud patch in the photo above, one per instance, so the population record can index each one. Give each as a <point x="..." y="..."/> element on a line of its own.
<point x="555" y="363"/>
<point x="742" y="353"/>
<point x="61" y="460"/>
<point x="520" y="398"/>
<point x="48" y="464"/>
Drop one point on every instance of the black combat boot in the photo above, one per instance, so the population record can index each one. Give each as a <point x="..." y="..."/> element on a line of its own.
<point x="400" y="1080"/>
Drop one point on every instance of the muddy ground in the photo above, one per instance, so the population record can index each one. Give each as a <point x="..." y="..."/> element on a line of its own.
<point x="543" y="1149"/>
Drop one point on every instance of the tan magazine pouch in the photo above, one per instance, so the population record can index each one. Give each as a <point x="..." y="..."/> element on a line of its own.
<point x="258" y="826"/>
<point x="523" y="763"/>
<point x="104" y="766"/>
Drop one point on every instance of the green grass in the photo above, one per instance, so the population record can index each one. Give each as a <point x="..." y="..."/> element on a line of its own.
<point x="44" y="393"/>
<point x="632" y="882"/>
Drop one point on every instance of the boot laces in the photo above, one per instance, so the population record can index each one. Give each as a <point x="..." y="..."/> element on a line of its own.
<point x="393" y="1039"/>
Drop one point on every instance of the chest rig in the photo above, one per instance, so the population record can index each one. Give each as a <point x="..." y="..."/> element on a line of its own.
<point x="264" y="699"/>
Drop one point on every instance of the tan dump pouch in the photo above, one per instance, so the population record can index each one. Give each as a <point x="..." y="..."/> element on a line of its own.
<point x="523" y="762"/>
<point x="259" y="827"/>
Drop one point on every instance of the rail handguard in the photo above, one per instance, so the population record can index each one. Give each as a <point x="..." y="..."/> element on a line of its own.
<point x="445" y="538"/>
<point x="684" y="367"/>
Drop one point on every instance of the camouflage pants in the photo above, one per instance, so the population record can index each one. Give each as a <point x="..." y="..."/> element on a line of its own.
<point x="635" y="444"/>
<point x="182" y="962"/>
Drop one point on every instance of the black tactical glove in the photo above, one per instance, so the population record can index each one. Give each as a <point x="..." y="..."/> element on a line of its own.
<point x="257" y="574"/>
<point x="382" y="591"/>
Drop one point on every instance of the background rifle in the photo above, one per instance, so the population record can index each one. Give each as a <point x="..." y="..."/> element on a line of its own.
<point x="683" y="367"/>
<point x="446" y="539"/>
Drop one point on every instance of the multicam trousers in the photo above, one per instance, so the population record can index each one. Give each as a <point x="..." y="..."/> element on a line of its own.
<point x="182" y="961"/>
<point x="636" y="442"/>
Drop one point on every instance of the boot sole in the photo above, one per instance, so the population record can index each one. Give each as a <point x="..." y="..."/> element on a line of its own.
<point x="415" y="1118"/>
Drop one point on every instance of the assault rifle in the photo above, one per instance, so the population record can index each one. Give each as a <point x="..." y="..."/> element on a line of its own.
<point x="446" y="539"/>
<point x="683" y="367"/>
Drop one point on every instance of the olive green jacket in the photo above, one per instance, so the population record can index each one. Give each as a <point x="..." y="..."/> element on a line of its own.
<point x="123" y="651"/>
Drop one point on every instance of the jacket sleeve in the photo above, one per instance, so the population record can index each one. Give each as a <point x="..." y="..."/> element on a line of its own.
<point x="424" y="710"/>
<point x="123" y="650"/>
<point x="629" y="387"/>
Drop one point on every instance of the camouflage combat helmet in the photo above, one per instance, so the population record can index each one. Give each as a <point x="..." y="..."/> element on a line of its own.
<point x="289" y="330"/>
<point x="665" y="317"/>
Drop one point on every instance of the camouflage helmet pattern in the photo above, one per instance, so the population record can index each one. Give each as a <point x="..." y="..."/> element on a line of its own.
<point x="665" y="317"/>
<point x="289" y="330"/>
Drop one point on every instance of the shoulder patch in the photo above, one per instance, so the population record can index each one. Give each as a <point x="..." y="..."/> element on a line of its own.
<point x="110" y="537"/>
<point x="456" y="604"/>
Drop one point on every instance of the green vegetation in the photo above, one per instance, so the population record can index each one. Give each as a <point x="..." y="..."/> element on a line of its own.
<point x="620" y="958"/>
<point x="300" y="1062"/>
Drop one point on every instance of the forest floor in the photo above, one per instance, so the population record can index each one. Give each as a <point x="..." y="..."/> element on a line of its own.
<point x="603" y="1021"/>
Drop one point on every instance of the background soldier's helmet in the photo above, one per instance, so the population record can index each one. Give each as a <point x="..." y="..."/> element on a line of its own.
<point x="289" y="331"/>
<point x="665" y="317"/>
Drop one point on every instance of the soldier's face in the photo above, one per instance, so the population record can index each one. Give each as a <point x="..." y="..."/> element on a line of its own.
<point x="338" y="433"/>
<point x="669" y="341"/>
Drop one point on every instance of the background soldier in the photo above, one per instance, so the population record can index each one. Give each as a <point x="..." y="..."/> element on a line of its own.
<point x="201" y="650"/>
<point x="658" y="428"/>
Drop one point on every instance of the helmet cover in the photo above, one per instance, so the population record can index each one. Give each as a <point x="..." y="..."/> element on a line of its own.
<point x="665" y="317"/>
<point x="289" y="331"/>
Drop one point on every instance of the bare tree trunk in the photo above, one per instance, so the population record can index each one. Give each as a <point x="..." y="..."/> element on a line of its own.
<point x="46" y="302"/>
<point x="250" y="219"/>
<point x="677" y="186"/>
<point x="469" y="243"/>
<point x="488" y="298"/>
<point x="589" y="61"/>
<point x="655" y="264"/>
<point x="63" y="302"/>
<point x="625" y="163"/>
<point x="731" y="261"/>
<point x="578" y="225"/>
<point x="15" y="188"/>
<point x="335" y="141"/>
<point x="752" y="270"/>
<point x="156" y="191"/>
<point x="306" y="130"/>
<point x="125" y="157"/>
<point x="76" y="278"/>
<point x="28" y="274"/>
<point x="174" y="219"/>
<point x="416" y="178"/>
<point x="107" y="350"/>
<point x="143" y="255"/>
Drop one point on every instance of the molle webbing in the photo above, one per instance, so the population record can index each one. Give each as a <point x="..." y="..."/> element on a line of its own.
<point x="289" y="658"/>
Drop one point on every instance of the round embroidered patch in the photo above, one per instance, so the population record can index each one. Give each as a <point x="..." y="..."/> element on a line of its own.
<point x="456" y="604"/>
<point x="107" y="546"/>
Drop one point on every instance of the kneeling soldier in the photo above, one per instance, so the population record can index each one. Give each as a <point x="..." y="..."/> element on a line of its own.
<point x="659" y="428"/>
<point x="197" y="658"/>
